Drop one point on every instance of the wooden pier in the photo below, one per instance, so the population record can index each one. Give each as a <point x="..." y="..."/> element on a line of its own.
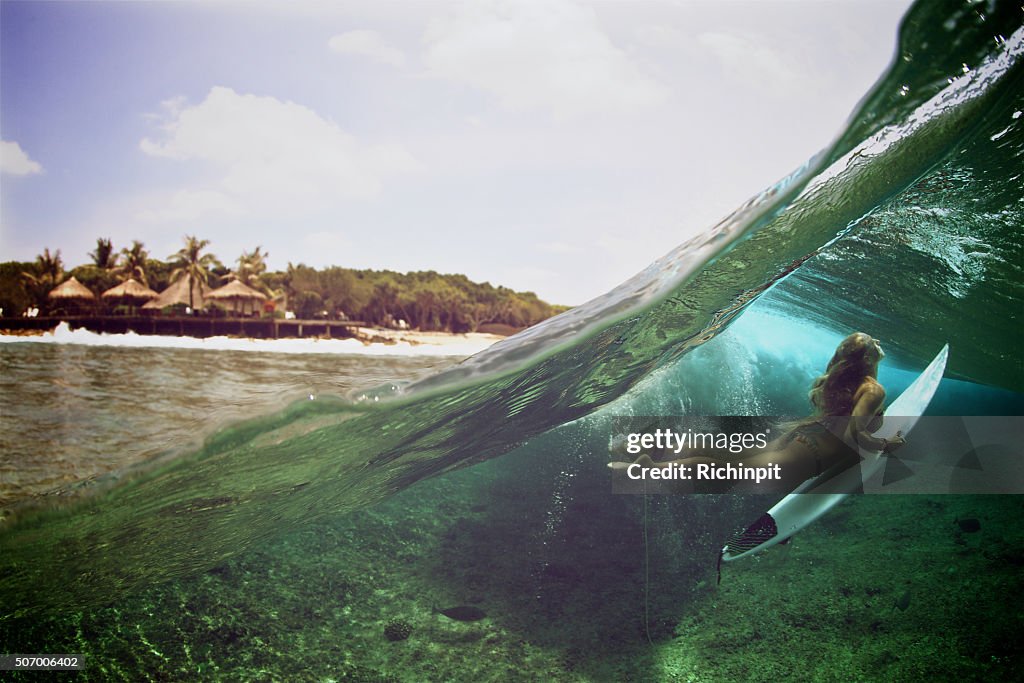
<point x="193" y="326"/>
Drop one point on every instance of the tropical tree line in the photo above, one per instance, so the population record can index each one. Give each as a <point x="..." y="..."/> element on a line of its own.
<point x="424" y="300"/>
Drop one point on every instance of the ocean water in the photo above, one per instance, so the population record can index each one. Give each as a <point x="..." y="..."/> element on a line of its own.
<point x="72" y="412"/>
<point x="283" y="546"/>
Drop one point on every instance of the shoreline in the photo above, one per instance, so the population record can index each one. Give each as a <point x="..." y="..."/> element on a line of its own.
<point x="374" y="335"/>
<point x="368" y="340"/>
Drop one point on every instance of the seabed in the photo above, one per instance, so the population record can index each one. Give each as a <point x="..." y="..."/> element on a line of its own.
<point x="883" y="588"/>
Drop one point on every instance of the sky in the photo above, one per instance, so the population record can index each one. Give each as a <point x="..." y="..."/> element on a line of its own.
<point x="555" y="146"/>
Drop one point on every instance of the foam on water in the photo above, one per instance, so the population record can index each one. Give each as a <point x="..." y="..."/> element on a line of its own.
<point x="457" y="345"/>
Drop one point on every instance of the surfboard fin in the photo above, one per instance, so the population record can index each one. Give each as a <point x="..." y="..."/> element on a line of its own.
<point x="895" y="470"/>
<point x="970" y="460"/>
<point x="762" y="530"/>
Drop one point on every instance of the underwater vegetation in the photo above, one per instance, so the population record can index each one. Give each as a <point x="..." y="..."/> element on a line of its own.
<point x="315" y="605"/>
<point x="397" y="629"/>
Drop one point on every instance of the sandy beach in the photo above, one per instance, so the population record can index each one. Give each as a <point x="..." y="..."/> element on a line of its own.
<point x="372" y="335"/>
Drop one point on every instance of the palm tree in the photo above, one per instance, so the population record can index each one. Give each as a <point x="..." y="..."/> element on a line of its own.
<point x="190" y="262"/>
<point x="133" y="263"/>
<point x="49" y="270"/>
<point x="104" y="256"/>
<point x="250" y="266"/>
<point x="47" y="273"/>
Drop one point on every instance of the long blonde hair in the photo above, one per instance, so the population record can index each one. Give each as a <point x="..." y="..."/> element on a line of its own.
<point x="855" y="359"/>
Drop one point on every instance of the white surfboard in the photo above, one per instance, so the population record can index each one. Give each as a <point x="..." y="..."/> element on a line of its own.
<point x="805" y="505"/>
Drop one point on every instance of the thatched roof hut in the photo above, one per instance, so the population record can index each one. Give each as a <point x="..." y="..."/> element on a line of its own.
<point x="238" y="297"/>
<point x="177" y="294"/>
<point x="71" y="289"/>
<point x="130" y="289"/>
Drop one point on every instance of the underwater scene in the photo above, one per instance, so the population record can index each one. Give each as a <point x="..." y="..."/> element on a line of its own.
<point x="369" y="530"/>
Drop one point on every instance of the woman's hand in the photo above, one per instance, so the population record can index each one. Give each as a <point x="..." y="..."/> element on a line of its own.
<point x="643" y="461"/>
<point x="894" y="443"/>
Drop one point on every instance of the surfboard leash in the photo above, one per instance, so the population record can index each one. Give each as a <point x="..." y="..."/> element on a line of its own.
<point x="647" y="575"/>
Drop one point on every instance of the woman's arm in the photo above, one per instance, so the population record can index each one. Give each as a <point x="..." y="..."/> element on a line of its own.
<point x="869" y="400"/>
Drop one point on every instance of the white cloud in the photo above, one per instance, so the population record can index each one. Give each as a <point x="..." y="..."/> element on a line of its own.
<point x="560" y="248"/>
<point x="185" y="206"/>
<point x="538" y="55"/>
<point x="751" y="61"/>
<point x="14" y="161"/>
<point x="268" y="155"/>
<point x="657" y="35"/>
<point x="326" y="244"/>
<point x="368" y="44"/>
